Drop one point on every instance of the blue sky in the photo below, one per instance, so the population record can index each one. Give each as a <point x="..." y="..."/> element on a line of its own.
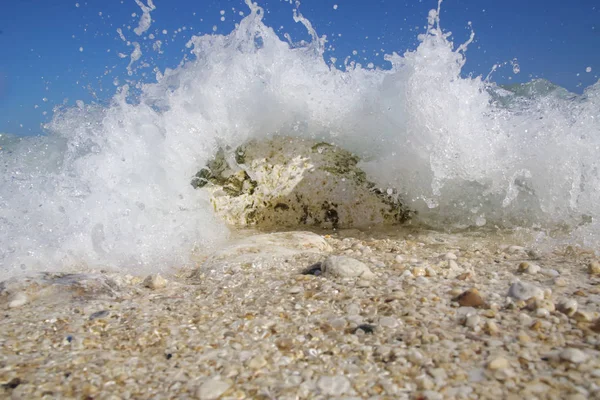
<point x="56" y="52"/>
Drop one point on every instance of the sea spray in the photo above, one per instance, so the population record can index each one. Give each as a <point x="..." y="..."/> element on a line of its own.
<point x="110" y="186"/>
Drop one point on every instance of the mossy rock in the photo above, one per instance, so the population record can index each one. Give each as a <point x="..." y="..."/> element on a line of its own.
<point x="289" y="182"/>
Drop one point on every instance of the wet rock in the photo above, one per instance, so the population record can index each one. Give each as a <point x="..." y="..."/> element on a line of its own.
<point x="99" y="314"/>
<point x="286" y="181"/>
<point x="524" y="291"/>
<point x="346" y="267"/>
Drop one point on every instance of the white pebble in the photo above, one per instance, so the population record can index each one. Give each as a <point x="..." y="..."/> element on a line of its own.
<point x="295" y="290"/>
<point x="498" y="363"/>
<point x="568" y="307"/>
<point x="333" y="385"/>
<point x="542" y="313"/>
<point x="346" y="267"/>
<point x="18" y="300"/>
<point x="524" y="291"/>
<point x="212" y="389"/>
<point x="572" y="355"/>
<point x="450" y="256"/>
<point x="388" y="322"/>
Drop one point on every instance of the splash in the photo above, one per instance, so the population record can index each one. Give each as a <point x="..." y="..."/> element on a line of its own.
<point x="110" y="186"/>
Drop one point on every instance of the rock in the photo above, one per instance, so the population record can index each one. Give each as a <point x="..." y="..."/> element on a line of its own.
<point x="212" y="389"/>
<point x="470" y="298"/>
<point x="257" y="362"/>
<point x="346" y="267"/>
<point x="498" y="363"/>
<point x="155" y="281"/>
<point x="568" y="307"/>
<point x="286" y="181"/>
<point x="596" y="326"/>
<point x="524" y="291"/>
<point x="333" y="385"/>
<point x="594" y="268"/>
<point x="18" y="300"/>
<point x="572" y="355"/>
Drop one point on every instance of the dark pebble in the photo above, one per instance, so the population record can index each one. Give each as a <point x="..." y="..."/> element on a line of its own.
<point x="69" y="338"/>
<point x="13" y="383"/>
<point x="168" y="356"/>
<point x="366" y="328"/>
<point x="99" y="314"/>
<point x="314" y="269"/>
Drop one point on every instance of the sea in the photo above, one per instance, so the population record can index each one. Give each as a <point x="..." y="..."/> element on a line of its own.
<point x="109" y="185"/>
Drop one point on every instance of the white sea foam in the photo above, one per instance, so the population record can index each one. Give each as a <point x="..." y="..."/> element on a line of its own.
<point x="111" y="186"/>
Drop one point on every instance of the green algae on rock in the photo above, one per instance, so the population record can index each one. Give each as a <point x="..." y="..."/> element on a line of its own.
<point x="286" y="181"/>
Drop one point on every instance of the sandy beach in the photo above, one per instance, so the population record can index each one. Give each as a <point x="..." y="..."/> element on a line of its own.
<point x="381" y="314"/>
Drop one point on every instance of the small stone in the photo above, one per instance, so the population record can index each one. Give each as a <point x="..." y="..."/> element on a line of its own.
<point x="498" y="363"/>
<point x="464" y="276"/>
<point x="472" y="321"/>
<point x="388" y="322"/>
<point x="529" y="268"/>
<point x="363" y="283"/>
<point x="155" y="281"/>
<point x="450" y="256"/>
<point x="338" y="323"/>
<point x="583" y="316"/>
<point x="568" y="307"/>
<point x="594" y="268"/>
<point x="491" y="328"/>
<point x="399" y="258"/>
<point x="415" y="357"/>
<point x="418" y="271"/>
<point x="295" y="290"/>
<point x="515" y="249"/>
<point x="212" y="389"/>
<point x="333" y="385"/>
<point x="524" y="291"/>
<point x="257" y="362"/>
<point x="552" y="273"/>
<point x="470" y="298"/>
<point x="560" y="281"/>
<point x="346" y="267"/>
<point x="18" y="300"/>
<point x="573" y="355"/>
<point x="542" y="313"/>
<point x="596" y="326"/>
<point x="523" y="337"/>
<point x="545" y="303"/>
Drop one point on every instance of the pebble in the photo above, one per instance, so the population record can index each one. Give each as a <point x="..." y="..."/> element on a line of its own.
<point x="155" y="281"/>
<point x="552" y="273"/>
<point x="295" y="290"/>
<point x="572" y="355"/>
<point x="399" y="258"/>
<point x="333" y="385"/>
<point x="524" y="291"/>
<point x="346" y="267"/>
<point x="568" y="307"/>
<point x="18" y="300"/>
<point x="542" y="313"/>
<point x="491" y="328"/>
<point x="212" y="389"/>
<point x="594" y="268"/>
<point x="470" y="298"/>
<point x="498" y="363"/>
<point x="529" y="268"/>
<point x="257" y="362"/>
<point x="560" y="281"/>
<point x="472" y="321"/>
<point x="388" y="322"/>
<point x="450" y="256"/>
<point x="583" y="316"/>
<point x="596" y="326"/>
<point x="363" y="283"/>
